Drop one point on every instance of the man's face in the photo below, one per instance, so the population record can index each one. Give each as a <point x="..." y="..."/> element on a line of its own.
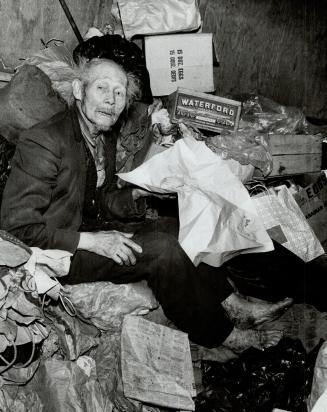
<point x="103" y="97"/>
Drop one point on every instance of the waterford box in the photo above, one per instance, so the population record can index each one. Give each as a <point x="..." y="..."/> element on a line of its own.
<point x="203" y="110"/>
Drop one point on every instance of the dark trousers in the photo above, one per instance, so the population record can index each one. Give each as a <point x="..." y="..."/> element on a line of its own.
<point x="277" y="274"/>
<point x="189" y="296"/>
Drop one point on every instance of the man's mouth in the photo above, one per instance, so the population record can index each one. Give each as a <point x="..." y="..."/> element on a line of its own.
<point x="107" y="113"/>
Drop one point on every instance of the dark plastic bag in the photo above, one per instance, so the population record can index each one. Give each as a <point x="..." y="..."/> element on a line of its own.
<point x="258" y="381"/>
<point x="123" y="52"/>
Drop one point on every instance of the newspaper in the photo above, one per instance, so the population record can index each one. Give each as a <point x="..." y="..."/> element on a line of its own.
<point x="156" y="364"/>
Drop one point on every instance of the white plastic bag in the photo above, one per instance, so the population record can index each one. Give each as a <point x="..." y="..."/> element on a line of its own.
<point x="217" y="217"/>
<point x="286" y="223"/>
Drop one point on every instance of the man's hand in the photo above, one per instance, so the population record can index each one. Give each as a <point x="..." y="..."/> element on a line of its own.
<point x="114" y="245"/>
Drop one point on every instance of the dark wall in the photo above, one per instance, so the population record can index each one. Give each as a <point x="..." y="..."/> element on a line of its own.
<point x="277" y="48"/>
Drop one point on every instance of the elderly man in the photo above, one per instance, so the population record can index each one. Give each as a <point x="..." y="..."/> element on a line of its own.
<point x="63" y="177"/>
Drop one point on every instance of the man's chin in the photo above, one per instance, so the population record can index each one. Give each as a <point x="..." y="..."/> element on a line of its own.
<point x="105" y="126"/>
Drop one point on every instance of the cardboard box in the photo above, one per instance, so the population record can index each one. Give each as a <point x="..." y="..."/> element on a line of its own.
<point x="204" y="111"/>
<point x="295" y="154"/>
<point x="181" y="60"/>
<point x="313" y="203"/>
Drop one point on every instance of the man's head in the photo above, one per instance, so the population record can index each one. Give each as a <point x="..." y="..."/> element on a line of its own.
<point x="103" y="90"/>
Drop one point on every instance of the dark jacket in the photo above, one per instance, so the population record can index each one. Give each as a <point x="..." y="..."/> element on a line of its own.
<point x="44" y="195"/>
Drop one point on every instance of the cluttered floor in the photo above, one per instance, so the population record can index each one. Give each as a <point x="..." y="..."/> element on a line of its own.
<point x="86" y="349"/>
<point x="103" y="347"/>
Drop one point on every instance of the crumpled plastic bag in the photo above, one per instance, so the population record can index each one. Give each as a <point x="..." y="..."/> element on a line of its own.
<point x="268" y="116"/>
<point x="245" y="146"/>
<point x="22" y="325"/>
<point x="258" y="381"/>
<point x="19" y="375"/>
<point x="56" y="61"/>
<point x="75" y="336"/>
<point x="217" y="217"/>
<point x="65" y="386"/>
<point x="13" y="252"/>
<point x="108" y="363"/>
<point x="104" y="304"/>
<point x="148" y="17"/>
<point x="16" y="398"/>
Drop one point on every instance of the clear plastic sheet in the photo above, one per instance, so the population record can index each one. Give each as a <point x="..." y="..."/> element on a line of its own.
<point x="245" y="146"/>
<point x="268" y="116"/>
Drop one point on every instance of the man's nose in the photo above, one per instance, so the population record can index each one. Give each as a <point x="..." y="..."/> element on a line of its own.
<point x="110" y="97"/>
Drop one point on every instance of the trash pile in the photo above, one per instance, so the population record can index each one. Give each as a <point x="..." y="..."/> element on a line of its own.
<point x="49" y="351"/>
<point x="259" y="381"/>
<point x="60" y="347"/>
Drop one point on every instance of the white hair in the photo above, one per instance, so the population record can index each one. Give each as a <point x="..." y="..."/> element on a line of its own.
<point x="133" y="89"/>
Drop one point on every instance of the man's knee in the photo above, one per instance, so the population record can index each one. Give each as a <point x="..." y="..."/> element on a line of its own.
<point x="167" y="246"/>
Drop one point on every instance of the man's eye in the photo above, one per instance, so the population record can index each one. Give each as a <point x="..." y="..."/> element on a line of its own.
<point x="100" y="87"/>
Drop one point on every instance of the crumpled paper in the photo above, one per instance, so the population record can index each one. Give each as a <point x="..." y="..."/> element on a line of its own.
<point x="217" y="217"/>
<point x="146" y="17"/>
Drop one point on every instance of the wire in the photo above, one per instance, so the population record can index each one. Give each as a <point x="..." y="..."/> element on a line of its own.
<point x="69" y="307"/>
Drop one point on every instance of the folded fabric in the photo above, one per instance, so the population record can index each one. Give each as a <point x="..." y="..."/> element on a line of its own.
<point x="217" y="217"/>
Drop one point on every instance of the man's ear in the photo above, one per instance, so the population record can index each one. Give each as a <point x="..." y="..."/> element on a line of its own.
<point x="77" y="89"/>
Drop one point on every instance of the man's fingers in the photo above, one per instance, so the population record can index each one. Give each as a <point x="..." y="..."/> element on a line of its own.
<point x="130" y="243"/>
<point x="128" y="252"/>
<point x="129" y="235"/>
<point x="117" y="259"/>
<point x="124" y="257"/>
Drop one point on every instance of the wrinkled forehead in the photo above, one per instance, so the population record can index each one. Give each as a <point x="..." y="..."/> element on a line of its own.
<point x="108" y="71"/>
